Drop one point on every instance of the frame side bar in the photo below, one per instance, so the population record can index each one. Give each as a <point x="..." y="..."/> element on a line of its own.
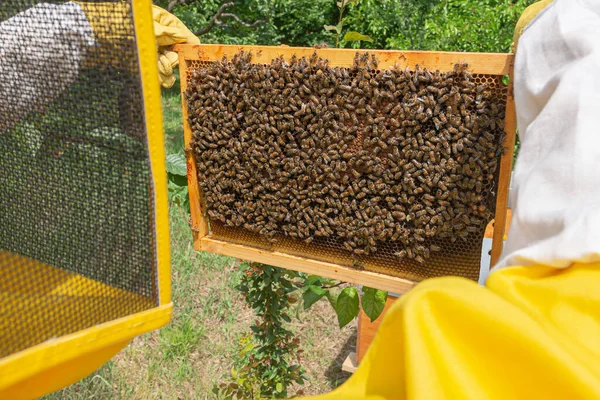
<point x="199" y="223"/>
<point x="510" y="128"/>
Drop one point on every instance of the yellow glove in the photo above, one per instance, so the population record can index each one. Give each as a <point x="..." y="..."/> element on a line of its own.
<point x="528" y="15"/>
<point x="167" y="61"/>
<point x="112" y="26"/>
<point x="169" y="30"/>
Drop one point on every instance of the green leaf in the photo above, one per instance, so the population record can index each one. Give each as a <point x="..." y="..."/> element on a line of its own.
<point x="279" y="387"/>
<point x="373" y="302"/>
<point x="332" y="297"/>
<point x="330" y="27"/>
<point x="179" y="180"/>
<point x="355" y="36"/>
<point x="176" y="164"/>
<point x="505" y="80"/>
<point x="312" y="294"/>
<point x="347" y="306"/>
<point x="246" y="349"/>
<point x="313" y="280"/>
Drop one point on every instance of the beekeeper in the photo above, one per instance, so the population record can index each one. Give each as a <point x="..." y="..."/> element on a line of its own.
<point x="534" y="331"/>
<point x="23" y="92"/>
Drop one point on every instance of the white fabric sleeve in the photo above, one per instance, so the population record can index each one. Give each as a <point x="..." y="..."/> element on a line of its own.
<point x="40" y="54"/>
<point x="556" y="183"/>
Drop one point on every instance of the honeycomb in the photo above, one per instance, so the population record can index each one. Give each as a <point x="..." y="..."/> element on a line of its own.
<point x="454" y="257"/>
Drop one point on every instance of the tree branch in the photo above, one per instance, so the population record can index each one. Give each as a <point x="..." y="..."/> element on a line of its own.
<point x="333" y="286"/>
<point x="216" y="19"/>
<point x="247" y="25"/>
<point x="173" y="3"/>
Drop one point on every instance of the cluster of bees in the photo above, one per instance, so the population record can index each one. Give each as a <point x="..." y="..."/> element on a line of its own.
<point x="358" y="155"/>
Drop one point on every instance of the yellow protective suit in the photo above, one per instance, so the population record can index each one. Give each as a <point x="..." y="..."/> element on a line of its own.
<point x="534" y="331"/>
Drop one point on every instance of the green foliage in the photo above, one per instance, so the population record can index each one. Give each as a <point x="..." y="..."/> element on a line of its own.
<point x="300" y="23"/>
<point x="265" y="367"/>
<point x="177" y="184"/>
<point x="176" y="164"/>
<point x="347" y="307"/>
<point x="450" y="25"/>
<point x="345" y="303"/>
<point x="472" y="25"/>
<point x="311" y="295"/>
<point x="350" y="36"/>
<point x="295" y="23"/>
<point x="392" y="23"/>
<point x="267" y="359"/>
<point x="373" y="302"/>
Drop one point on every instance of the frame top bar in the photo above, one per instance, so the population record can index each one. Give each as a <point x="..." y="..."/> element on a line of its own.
<point x="479" y="63"/>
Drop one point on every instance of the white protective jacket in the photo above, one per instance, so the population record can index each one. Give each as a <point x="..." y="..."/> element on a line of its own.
<point x="556" y="183"/>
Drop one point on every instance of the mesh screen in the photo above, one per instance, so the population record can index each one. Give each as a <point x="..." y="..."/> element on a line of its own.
<point x="77" y="242"/>
<point x="455" y="256"/>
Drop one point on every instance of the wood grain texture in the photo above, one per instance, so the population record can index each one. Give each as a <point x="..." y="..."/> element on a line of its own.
<point x="310" y="266"/>
<point x="199" y="224"/>
<point x="506" y="161"/>
<point x="479" y="63"/>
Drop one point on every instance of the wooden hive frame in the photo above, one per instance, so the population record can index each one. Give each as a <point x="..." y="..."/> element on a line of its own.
<point x="479" y="63"/>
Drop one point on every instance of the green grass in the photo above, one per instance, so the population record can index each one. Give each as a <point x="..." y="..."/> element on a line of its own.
<point x="185" y="359"/>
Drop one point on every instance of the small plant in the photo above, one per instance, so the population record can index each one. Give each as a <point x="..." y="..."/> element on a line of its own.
<point x="346" y="302"/>
<point x="268" y="359"/>
<point x="350" y="36"/>
<point x="177" y="184"/>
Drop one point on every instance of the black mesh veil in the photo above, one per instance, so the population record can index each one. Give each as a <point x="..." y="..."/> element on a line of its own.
<point x="77" y="234"/>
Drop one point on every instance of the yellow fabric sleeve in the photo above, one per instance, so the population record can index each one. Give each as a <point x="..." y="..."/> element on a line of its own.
<point x="533" y="333"/>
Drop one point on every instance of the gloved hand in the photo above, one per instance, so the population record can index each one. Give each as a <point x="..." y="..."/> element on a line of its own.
<point x="169" y="30"/>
